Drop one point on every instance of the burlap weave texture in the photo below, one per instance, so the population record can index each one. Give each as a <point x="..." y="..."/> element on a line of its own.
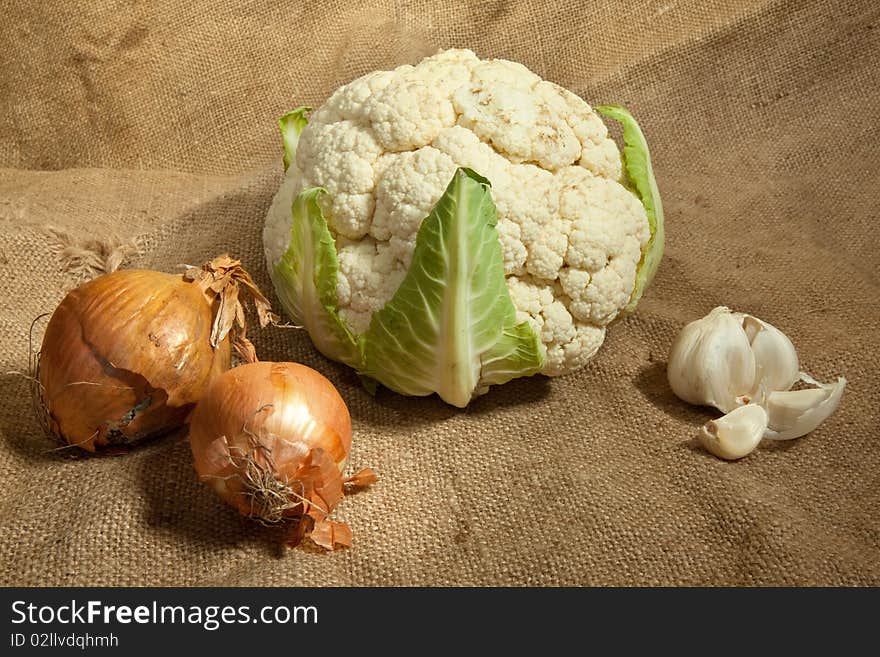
<point x="157" y="121"/>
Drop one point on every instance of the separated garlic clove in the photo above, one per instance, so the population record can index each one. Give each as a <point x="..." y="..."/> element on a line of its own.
<point x="794" y="413"/>
<point x="736" y="434"/>
<point x="776" y="361"/>
<point x="711" y="361"/>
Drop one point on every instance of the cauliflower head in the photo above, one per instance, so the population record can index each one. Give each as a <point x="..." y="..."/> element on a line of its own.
<point x="575" y="238"/>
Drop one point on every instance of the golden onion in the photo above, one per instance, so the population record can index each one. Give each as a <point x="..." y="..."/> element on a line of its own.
<point x="272" y="440"/>
<point x="127" y="355"/>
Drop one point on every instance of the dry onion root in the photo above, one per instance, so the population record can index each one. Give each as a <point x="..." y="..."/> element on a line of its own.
<point x="127" y="355"/>
<point x="272" y="440"/>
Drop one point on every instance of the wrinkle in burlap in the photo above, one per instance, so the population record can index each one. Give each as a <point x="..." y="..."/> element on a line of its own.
<point x="156" y="121"/>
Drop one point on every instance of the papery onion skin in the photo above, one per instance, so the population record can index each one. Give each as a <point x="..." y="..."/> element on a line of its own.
<point x="125" y="357"/>
<point x="296" y="414"/>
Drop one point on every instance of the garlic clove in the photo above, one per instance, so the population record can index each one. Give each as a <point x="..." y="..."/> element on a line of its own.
<point x="776" y="361"/>
<point x="736" y="434"/>
<point x="711" y="361"/>
<point x="794" y="413"/>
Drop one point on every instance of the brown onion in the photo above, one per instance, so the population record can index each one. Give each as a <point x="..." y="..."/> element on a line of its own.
<point x="272" y="439"/>
<point x="127" y="355"/>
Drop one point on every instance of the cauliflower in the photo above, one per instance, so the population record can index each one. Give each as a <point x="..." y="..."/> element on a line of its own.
<point x="544" y="186"/>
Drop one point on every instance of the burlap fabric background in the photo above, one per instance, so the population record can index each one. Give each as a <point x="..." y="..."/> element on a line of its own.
<point x="156" y="120"/>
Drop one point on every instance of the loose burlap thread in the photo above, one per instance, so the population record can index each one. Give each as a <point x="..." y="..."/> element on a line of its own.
<point x="156" y="123"/>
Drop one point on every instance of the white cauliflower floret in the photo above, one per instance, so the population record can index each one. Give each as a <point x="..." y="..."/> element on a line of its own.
<point x="339" y="157"/>
<point x="529" y="197"/>
<point x="276" y="231"/>
<point x="513" y="251"/>
<point x="568" y="343"/>
<point x="518" y="123"/>
<point x="408" y="114"/>
<point x="408" y="188"/>
<point x="466" y="150"/>
<point x="446" y="71"/>
<point x="575" y="353"/>
<point x="385" y="147"/>
<point x="369" y="274"/>
<point x="604" y="245"/>
<point x="348" y="102"/>
<point x="598" y="153"/>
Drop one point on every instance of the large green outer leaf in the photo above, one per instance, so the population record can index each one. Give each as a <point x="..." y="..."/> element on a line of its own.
<point x="637" y="164"/>
<point x="305" y="280"/>
<point x="451" y="327"/>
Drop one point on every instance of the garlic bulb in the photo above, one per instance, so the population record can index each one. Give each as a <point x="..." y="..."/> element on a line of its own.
<point x="711" y="362"/>
<point x="736" y="434"/>
<point x="734" y="361"/>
